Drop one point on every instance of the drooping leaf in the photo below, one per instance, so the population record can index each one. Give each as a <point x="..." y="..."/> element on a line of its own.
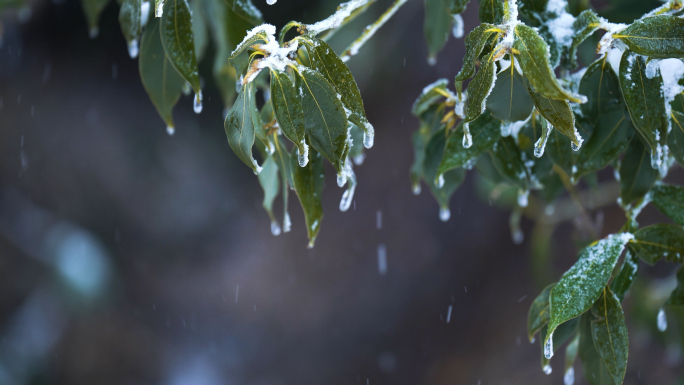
<point x="586" y="23"/>
<point x="559" y="150"/>
<point x="287" y="106"/>
<point x="675" y="139"/>
<point x="581" y="286"/>
<point x="282" y="159"/>
<point x="538" y="316"/>
<point x="636" y="174"/>
<point x="480" y="88"/>
<point x="485" y="130"/>
<point x="325" y="119"/>
<point x="534" y="61"/>
<point x="659" y="36"/>
<point x="571" y="356"/>
<point x="669" y="199"/>
<point x="431" y="94"/>
<point x="562" y="334"/>
<point x="475" y="43"/>
<point x="268" y="179"/>
<point x="508" y="161"/>
<point x="177" y="39"/>
<point x="491" y="11"/>
<point x="199" y="29"/>
<point x="161" y="81"/>
<point x="559" y="115"/>
<point x="677" y="295"/>
<point x="509" y="100"/>
<point x="129" y="20"/>
<point x="458" y="6"/>
<point x="93" y="9"/>
<point x="308" y="182"/>
<point x="610" y="335"/>
<point x="624" y="279"/>
<point x="239" y="127"/>
<point x="437" y="25"/>
<point x="453" y="179"/>
<point x="659" y="241"/>
<point x="324" y="60"/>
<point x="594" y="370"/>
<point x="246" y="11"/>
<point x="645" y="102"/>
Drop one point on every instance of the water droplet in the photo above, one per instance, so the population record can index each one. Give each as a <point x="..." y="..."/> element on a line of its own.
<point x="287" y="224"/>
<point x="133" y="48"/>
<point x="569" y="377"/>
<point x="341" y="178"/>
<point x="197" y="104"/>
<point x="358" y="159"/>
<point x="432" y="60"/>
<point x="440" y="181"/>
<point x="574" y="146"/>
<point x="368" y="139"/>
<point x="522" y="197"/>
<point x="541" y="142"/>
<point x="662" y="320"/>
<point x="416" y="189"/>
<point x="170" y="130"/>
<point x="548" y="347"/>
<point x="547" y="369"/>
<point x="303" y="158"/>
<point x="467" y="138"/>
<point x="518" y="237"/>
<point x="93" y="32"/>
<point x="271" y="2"/>
<point x="382" y="259"/>
<point x="444" y="214"/>
<point x="275" y="228"/>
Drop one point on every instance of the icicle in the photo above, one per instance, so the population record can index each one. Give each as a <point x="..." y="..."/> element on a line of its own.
<point x="303" y="158"/>
<point x="444" y="214"/>
<point x="275" y="228"/>
<point x="197" y="105"/>
<point x="341" y="178"/>
<point x="662" y="320"/>
<point x="569" y="377"/>
<point x="368" y="138"/>
<point x="144" y="13"/>
<point x="159" y="10"/>
<point x="93" y="32"/>
<point x="416" y="189"/>
<point x="287" y="224"/>
<point x="548" y="347"/>
<point x="522" y="197"/>
<point x="541" y="143"/>
<point x="547" y="369"/>
<point x="439" y="182"/>
<point x="271" y="2"/>
<point x="170" y="130"/>
<point x="358" y="159"/>
<point x="467" y="138"/>
<point x="347" y="197"/>
<point x="133" y="48"/>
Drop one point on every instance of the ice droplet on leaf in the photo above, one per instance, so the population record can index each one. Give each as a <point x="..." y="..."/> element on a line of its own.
<point x="416" y="189"/>
<point x="548" y="346"/>
<point x="662" y="320"/>
<point x="368" y="139"/>
<point x="347" y="197"/>
<point x="444" y="214"/>
<point x="303" y="158"/>
<point x="439" y="182"/>
<point x="569" y="377"/>
<point x="271" y="2"/>
<point x="275" y="228"/>
<point x="170" y="130"/>
<point x="541" y="142"/>
<point x="93" y="32"/>
<point x="547" y="369"/>
<point x="287" y="224"/>
<point x="197" y="103"/>
<point x="467" y="138"/>
<point x="133" y="48"/>
<point x="522" y="197"/>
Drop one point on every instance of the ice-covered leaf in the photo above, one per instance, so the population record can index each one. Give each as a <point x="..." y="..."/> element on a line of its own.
<point x="485" y="130"/>
<point x="325" y="119"/>
<point x="533" y="56"/>
<point x="538" y="316"/>
<point x="581" y="286"/>
<point x="669" y="199"/>
<point x="636" y="174"/>
<point x="586" y="23"/>
<point x="131" y="27"/>
<point x="475" y="43"/>
<point x="559" y="115"/>
<point x="491" y="11"/>
<point x="480" y="88"/>
<point x="594" y="370"/>
<point x="646" y="104"/>
<point x="610" y="334"/>
<point x="239" y="127"/>
<point x="268" y="179"/>
<point x="509" y="100"/>
<point x="287" y="105"/>
<point x="161" y="81"/>
<point x="431" y="94"/>
<point x="508" y="161"/>
<point x="624" y="279"/>
<point x="177" y="39"/>
<point x="324" y="60"/>
<point x="675" y="139"/>
<point x="659" y="241"/>
<point x="562" y="334"/>
<point x="659" y="36"/>
<point x="93" y="9"/>
<point x="677" y="295"/>
<point x="451" y="180"/>
<point x="308" y="182"/>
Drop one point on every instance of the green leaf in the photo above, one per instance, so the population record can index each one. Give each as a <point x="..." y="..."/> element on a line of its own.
<point x="559" y="115"/>
<point x="179" y="44"/>
<point x="199" y="29"/>
<point x="533" y="57"/>
<point x="491" y="11"/>
<point x="636" y="174"/>
<point x="581" y="286"/>
<point x="93" y="9"/>
<point x="475" y="43"/>
<point x="586" y="23"/>
<point x="268" y="179"/>
<point x="538" y="316"/>
<point x="610" y="335"/>
<point x="437" y="25"/>
<point x="624" y="279"/>
<point x="239" y="128"/>
<point x="485" y="132"/>
<point x="161" y="81"/>
<point x="601" y="86"/>
<point x="675" y="138"/>
<point x="458" y="6"/>
<point x="659" y="241"/>
<point x="325" y="119"/>
<point x="594" y="370"/>
<point x="559" y="149"/>
<point x="129" y="20"/>
<point x="282" y="159"/>
<point x="560" y="336"/>
<point x="430" y="122"/>
<point x="645" y="103"/>
<point x="509" y="100"/>
<point x="508" y="161"/>
<point x="430" y="95"/>
<point x="480" y="88"/>
<point x="669" y="199"/>
<point x="324" y="60"/>
<point x="571" y="354"/>
<point x="246" y="11"/>
<point x="677" y="295"/>
<point x="308" y="182"/>
<point x="532" y="9"/>
<point x="287" y="106"/>
<point x="452" y="179"/>
<point x="659" y="36"/>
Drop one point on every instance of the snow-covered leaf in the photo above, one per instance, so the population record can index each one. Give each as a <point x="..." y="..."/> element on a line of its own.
<point x="480" y="88"/>
<point x="659" y="241"/>
<point x="177" y="39"/>
<point x="586" y="23"/>
<point x="659" y="36"/>
<point x="491" y="11"/>
<point x="475" y="42"/>
<point x="610" y="334"/>
<point x="636" y="174"/>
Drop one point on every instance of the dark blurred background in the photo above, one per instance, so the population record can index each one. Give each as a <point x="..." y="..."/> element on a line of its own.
<point x="128" y="256"/>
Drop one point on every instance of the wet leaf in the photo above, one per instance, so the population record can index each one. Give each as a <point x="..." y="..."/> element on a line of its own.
<point x="268" y="179"/>
<point x="636" y="174"/>
<point x="675" y="138"/>
<point x="538" y="316"/>
<point x="582" y="285"/>
<point x="659" y="241"/>
<point x="659" y="36"/>
<point x="491" y="11"/>
<point x="486" y="131"/>
<point x="287" y="106"/>
<point x="610" y="335"/>
<point x="669" y="199"/>
<point x="594" y="370"/>
<point x="161" y="81"/>
<point x="677" y="295"/>
<point x="239" y="128"/>
<point x="177" y="39"/>
<point x="129" y="20"/>
<point x="480" y="88"/>
<point x="624" y="279"/>
<point x="452" y="179"/>
<point x="559" y="114"/>
<point x="325" y="118"/>
<point x="509" y="100"/>
<point x="534" y="60"/>
<point x="93" y="9"/>
<point x="475" y="43"/>
<point x="308" y="182"/>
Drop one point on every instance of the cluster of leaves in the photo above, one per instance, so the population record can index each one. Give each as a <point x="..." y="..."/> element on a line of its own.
<point x="623" y="111"/>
